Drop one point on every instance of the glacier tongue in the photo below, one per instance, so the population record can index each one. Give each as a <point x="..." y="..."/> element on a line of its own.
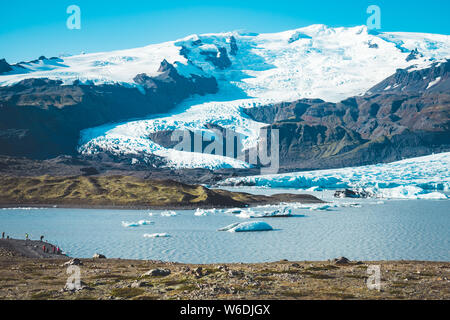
<point x="416" y="178"/>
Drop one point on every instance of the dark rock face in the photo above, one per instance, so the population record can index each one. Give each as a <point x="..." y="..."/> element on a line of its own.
<point x="220" y="60"/>
<point x="4" y="66"/>
<point x="383" y="126"/>
<point x="355" y="194"/>
<point x="414" y="55"/>
<point x="41" y="118"/>
<point x="233" y="46"/>
<point x="433" y="79"/>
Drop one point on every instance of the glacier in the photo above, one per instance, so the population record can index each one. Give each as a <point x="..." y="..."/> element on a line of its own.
<point x="416" y="178"/>
<point x="311" y="62"/>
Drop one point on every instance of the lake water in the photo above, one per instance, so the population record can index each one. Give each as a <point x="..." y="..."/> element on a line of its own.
<point x="374" y="230"/>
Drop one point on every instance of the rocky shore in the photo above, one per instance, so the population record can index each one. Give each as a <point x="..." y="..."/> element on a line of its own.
<point x="115" y="279"/>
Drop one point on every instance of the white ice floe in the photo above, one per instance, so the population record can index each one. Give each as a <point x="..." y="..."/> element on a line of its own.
<point x="168" y="214"/>
<point x="250" y="214"/>
<point x="156" y="235"/>
<point x="127" y="224"/>
<point x="409" y="192"/>
<point x="416" y="178"/>
<point x="248" y="227"/>
<point x="145" y="222"/>
<point x="233" y="211"/>
<point x="203" y="212"/>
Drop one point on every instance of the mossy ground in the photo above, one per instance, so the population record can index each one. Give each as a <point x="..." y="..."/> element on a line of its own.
<point x="126" y="192"/>
<point x="22" y="278"/>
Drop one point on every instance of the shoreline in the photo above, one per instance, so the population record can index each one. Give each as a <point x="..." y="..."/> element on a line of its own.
<point x="45" y="278"/>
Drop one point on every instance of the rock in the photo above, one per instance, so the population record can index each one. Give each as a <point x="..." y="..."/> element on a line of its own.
<point x="73" y="262"/>
<point x="235" y="273"/>
<point x="233" y="46"/>
<point x="347" y="193"/>
<point x="223" y="268"/>
<point x="139" y="284"/>
<point x="98" y="256"/>
<point x="198" y="272"/>
<point x="414" y="55"/>
<point x="186" y="269"/>
<point x="157" y="273"/>
<point x="341" y="260"/>
<point x="4" y="66"/>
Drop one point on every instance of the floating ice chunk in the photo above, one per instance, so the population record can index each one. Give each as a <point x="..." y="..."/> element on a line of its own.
<point x="409" y="192"/>
<point x="283" y="212"/>
<point x="248" y="227"/>
<point x="320" y="207"/>
<point x="145" y="223"/>
<point x="130" y="224"/>
<point x="204" y="213"/>
<point x="433" y="196"/>
<point x="231" y="226"/>
<point x="127" y="224"/>
<point x="248" y="213"/>
<point x="156" y="235"/>
<point x="233" y="211"/>
<point x="168" y="214"/>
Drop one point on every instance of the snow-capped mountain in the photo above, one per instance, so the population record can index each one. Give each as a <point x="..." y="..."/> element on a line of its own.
<point x="251" y="70"/>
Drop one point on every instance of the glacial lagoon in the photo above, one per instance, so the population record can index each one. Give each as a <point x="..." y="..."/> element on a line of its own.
<point x="360" y="229"/>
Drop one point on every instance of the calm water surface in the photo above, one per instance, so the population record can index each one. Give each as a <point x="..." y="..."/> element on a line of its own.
<point x="377" y="230"/>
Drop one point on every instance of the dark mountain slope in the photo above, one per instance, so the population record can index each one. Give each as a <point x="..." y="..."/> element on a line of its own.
<point x="41" y="118"/>
<point x="383" y="126"/>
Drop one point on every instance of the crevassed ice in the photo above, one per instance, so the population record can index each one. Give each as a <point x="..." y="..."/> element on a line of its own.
<point x="312" y="62"/>
<point x="416" y="178"/>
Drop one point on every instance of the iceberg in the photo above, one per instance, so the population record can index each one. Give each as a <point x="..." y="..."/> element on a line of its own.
<point x="248" y="214"/>
<point x="247" y="227"/>
<point x="409" y="192"/>
<point x="127" y="224"/>
<point x="204" y="213"/>
<point x="168" y="214"/>
<point x="144" y="222"/>
<point x="233" y="211"/>
<point x="156" y="235"/>
<point x="130" y="224"/>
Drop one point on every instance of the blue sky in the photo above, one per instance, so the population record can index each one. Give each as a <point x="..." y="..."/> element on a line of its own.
<point x="29" y="29"/>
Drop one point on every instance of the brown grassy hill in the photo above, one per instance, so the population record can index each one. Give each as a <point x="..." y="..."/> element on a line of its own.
<point x="127" y="192"/>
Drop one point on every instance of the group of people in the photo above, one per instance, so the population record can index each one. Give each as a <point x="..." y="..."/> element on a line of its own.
<point x="55" y="250"/>
<point x="45" y="247"/>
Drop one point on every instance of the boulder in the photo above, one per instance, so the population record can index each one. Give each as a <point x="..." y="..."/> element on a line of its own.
<point x="98" y="256"/>
<point x="347" y="193"/>
<point x="341" y="260"/>
<point x="73" y="262"/>
<point x="157" y="273"/>
<point x="139" y="284"/>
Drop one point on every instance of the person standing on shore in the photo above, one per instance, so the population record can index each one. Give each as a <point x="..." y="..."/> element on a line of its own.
<point x="42" y="238"/>
<point x="3" y="235"/>
<point x="26" y="239"/>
